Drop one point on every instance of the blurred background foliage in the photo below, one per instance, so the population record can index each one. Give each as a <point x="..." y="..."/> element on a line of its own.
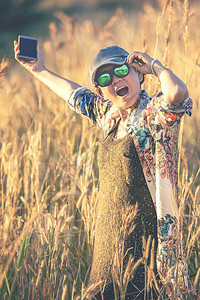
<point x="32" y="17"/>
<point x="48" y="173"/>
<point x="16" y="13"/>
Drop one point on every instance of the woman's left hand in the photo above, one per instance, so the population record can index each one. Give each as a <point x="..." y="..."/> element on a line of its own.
<point x="140" y="61"/>
<point x="172" y="87"/>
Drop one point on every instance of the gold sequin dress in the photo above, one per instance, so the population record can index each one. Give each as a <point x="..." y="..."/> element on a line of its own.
<point x="122" y="190"/>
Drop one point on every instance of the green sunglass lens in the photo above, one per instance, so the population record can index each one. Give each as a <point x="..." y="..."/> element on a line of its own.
<point x="104" y="79"/>
<point x="121" y="71"/>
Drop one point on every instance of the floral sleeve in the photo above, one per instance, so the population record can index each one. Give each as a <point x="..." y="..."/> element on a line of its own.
<point x="168" y="114"/>
<point x="90" y="105"/>
<point x="163" y="120"/>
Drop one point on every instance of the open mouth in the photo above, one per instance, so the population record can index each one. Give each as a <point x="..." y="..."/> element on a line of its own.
<point x="122" y="91"/>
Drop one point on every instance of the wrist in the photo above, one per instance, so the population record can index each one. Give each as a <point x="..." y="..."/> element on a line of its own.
<point x="157" y="67"/>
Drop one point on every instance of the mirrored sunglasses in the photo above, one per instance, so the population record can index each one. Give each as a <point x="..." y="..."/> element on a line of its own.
<point x="106" y="78"/>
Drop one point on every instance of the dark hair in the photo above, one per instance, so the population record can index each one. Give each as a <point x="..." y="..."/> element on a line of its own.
<point x="141" y="82"/>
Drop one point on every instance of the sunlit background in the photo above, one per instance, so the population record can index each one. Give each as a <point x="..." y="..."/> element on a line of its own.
<point x="33" y="17"/>
<point x="48" y="170"/>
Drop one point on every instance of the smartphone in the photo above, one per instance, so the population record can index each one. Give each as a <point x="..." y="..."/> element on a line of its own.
<point x="27" y="47"/>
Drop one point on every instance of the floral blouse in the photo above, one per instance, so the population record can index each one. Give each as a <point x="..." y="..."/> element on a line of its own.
<point x="153" y="125"/>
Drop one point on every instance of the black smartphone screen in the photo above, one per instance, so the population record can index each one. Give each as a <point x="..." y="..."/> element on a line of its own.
<point x="27" y="47"/>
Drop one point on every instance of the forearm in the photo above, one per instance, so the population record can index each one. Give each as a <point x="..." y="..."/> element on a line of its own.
<point x="173" y="88"/>
<point x="61" y="86"/>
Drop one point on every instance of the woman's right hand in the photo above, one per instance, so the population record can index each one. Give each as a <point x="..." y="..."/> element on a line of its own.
<point x="33" y="67"/>
<point x="61" y="86"/>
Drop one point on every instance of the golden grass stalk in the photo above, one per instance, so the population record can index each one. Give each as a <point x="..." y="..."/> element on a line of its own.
<point x="4" y="64"/>
<point x="22" y="252"/>
<point x="159" y="26"/>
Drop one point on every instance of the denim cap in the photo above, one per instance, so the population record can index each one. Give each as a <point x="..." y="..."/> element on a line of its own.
<point x="109" y="55"/>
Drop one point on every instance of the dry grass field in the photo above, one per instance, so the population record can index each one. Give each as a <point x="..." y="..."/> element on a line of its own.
<point x="48" y="172"/>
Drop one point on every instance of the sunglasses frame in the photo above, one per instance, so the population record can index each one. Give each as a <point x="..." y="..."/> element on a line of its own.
<point x="111" y="73"/>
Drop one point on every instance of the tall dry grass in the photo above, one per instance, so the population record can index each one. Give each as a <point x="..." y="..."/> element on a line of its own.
<point x="48" y="172"/>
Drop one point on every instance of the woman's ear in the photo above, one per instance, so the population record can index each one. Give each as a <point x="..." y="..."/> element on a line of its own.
<point x="140" y="75"/>
<point x="99" y="91"/>
<point x="141" y="78"/>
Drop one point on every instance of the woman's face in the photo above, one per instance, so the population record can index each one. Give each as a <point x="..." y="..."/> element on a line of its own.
<point x="123" y="92"/>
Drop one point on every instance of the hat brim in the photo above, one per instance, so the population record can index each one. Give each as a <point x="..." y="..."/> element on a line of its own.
<point x="118" y="60"/>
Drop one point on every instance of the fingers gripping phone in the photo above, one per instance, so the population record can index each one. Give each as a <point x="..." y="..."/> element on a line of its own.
<point x="28" y="48"/>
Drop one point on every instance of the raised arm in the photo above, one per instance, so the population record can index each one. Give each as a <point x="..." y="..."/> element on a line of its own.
<point x="173" y="88"/>
<point x="61" y="86"/>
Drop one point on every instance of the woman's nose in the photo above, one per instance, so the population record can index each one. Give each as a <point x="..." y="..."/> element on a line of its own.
<point x="115" y="79"/>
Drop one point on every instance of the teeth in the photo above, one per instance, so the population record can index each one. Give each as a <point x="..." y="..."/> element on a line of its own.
<point x="119" y="88"/>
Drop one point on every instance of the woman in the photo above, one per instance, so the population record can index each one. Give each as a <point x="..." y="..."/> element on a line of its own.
<point x="136" y="208"/>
